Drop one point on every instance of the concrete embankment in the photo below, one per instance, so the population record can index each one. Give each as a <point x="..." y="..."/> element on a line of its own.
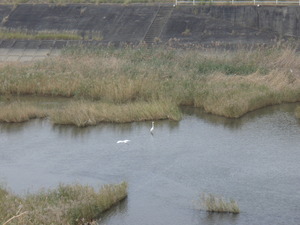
<point x="151" y="23"/>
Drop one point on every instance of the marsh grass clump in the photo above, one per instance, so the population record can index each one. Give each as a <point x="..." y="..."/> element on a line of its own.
<point x="20" y="112"/>
<point x="67" y="204"/>
<point x="84" y="113"/>
<point x="216" y="204"/>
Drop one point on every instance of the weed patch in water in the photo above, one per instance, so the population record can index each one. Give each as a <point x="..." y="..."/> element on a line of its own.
<point x="217" y="204"/>
<point x="67" y="204"/>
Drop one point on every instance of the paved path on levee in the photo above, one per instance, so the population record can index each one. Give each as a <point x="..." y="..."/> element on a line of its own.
<point x="31" y="50"/>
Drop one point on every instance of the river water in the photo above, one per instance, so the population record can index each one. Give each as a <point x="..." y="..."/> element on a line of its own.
<point x="254" y="160"/>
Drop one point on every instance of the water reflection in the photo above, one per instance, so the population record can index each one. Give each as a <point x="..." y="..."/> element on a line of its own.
<point x="120" y="129"/>
<point x="215" y="218"/>
<point x="71" y="131"/>
<point x="119" y="209"/>
<point x="12" y="128"/>
<point x="75" y="132"/>
<point x="238" y="123"/>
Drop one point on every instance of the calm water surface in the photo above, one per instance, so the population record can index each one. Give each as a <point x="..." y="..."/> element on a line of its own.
<point x="254" y="160"/>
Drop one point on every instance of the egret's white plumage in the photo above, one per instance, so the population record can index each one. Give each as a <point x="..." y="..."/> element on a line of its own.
<point x="123" y="141"/>
<point x="152" y="128"/>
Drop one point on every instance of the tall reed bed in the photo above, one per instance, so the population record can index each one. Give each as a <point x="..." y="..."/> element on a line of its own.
<point x="16" y="112"/>
<point x="225" y="83"/>
<point x="83" y="113"/>
<point x="67" y="204"/>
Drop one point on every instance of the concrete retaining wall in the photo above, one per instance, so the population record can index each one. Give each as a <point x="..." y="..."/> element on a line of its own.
<point x="129" y="23"/>
<point x="247" y="24"/>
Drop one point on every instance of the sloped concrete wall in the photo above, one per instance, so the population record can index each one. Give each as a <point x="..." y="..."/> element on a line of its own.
<point x="129" y="23"/>
<point x="250" y="24"/>
<point x="114" y="22"/>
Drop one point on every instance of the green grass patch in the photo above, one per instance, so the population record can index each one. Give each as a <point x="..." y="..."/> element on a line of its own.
<point x="211" y="66"/>
<point x="43" y="35"/>
<point x="67" y="204"/>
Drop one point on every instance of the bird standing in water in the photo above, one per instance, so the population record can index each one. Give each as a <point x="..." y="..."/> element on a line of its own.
<point x="152" y="128"/>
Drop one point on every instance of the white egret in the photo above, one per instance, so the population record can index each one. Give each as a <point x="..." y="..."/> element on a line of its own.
<point x="123" y="141"/>
<point x="152" y="128"/>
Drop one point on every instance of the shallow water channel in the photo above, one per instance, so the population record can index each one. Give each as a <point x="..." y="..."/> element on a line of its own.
<point x="254" y="160"/>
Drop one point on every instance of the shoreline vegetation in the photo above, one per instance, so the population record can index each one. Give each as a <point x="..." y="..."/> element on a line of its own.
<point x="138" y="83"/>
<point x="67" y="204"/>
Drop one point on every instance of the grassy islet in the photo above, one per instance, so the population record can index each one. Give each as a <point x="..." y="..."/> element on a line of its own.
<point x="138" y="83"/>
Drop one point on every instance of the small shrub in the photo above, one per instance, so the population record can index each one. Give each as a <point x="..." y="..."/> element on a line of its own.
<point x="186" y="32"/>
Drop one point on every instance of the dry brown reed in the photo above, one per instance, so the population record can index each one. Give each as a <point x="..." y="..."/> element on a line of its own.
<point x="225" y="83"/>
<point x="216" y="204"/>
<point x="67" y="204"/>
<point x="19" y="112"/>
<point x="83" y="113"/>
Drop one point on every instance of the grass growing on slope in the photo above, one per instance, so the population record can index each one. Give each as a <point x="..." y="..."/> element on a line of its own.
<point x="67" y="204"/>
<point x="39" y="36"/>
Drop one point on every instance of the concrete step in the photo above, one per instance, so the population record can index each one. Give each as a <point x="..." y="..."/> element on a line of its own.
<point x="158" y="24"/>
